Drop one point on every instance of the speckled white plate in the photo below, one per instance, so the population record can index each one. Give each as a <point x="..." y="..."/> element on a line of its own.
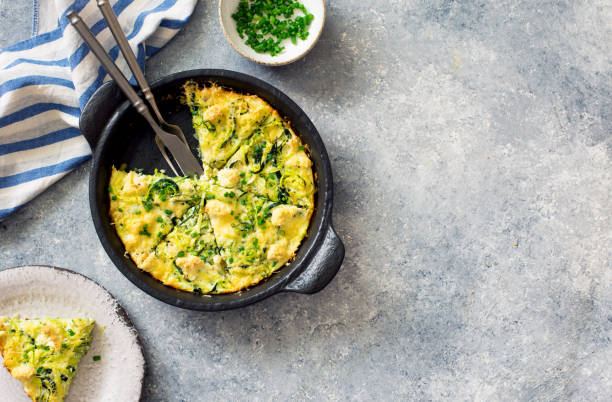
<point x="41" y="291"/>
<point x="291" y="52"/>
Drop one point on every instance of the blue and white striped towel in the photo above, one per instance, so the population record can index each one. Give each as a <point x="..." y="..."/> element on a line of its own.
<point x="47" y="79"/>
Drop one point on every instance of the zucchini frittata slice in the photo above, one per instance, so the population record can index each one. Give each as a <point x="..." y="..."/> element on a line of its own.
<point x="44" y="354"/>
<point x="267" y="158"/>
<point x="243" y="219"/>
<point x="223" y="120"/>
<point x="143" y="208"/>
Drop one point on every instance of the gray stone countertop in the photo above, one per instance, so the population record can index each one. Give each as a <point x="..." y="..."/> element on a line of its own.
<point x="471" y="145"/>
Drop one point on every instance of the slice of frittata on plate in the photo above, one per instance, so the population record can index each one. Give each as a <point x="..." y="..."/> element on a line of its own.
<point x="44" y="354"/>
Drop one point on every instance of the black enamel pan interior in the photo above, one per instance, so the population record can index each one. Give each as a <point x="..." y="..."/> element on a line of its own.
<point x="119" y="135"/>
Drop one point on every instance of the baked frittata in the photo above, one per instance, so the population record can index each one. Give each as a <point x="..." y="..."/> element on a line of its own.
<point x="44" y="354"/>
<point x="243" y="219"/>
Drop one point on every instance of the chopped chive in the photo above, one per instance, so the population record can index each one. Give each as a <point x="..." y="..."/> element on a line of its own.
<point x="259" y="21"/>
<point x="144" y="231"/>
<point x="96" y="358"/>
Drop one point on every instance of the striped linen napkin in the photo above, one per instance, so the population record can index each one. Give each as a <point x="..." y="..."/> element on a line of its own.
<point x="46" y="80"/>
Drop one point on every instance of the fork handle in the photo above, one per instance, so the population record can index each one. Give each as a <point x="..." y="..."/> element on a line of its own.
<point x="179" y="150"/>
<point x="104" y="59"/>
<point x="124" y="46"/>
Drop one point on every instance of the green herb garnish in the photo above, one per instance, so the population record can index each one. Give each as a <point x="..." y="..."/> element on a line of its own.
<point x="266" y="23"/>
<point x="144" y="230"/>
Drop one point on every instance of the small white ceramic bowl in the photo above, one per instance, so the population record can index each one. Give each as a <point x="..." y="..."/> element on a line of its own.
<point x="291" y="52"/>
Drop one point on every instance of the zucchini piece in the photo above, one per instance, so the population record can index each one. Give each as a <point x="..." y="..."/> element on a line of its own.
<point x="178" y="269"/>
<point x="189" y="215"/>
<point x="165" y="187"/>
<point x="256" y="158"/>
<point x="209" y="125"/>
<point x="283" y="195"/>
<point x="295" y="184"/>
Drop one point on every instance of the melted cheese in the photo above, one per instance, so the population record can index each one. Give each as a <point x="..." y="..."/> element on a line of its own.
<point x="244" y="218"/>
<point x="228" y="177"/>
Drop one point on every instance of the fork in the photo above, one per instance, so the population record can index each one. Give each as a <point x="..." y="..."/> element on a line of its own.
<point x="126" y="50"/>
<point x="186" y="162"/>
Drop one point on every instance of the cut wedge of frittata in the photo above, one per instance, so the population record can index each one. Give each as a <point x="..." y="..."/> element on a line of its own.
<point x="43" y="354"/>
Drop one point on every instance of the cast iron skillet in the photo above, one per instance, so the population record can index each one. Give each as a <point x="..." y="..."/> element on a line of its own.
<point x="118" y="135"/>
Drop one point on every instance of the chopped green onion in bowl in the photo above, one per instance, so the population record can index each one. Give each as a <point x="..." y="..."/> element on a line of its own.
<point x="268" y="53"/>
<point x="266" y="23"/>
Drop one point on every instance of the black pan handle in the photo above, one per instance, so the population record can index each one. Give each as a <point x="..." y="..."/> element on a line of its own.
<point x="98" y="110"/>
<point x="322" y="268"/>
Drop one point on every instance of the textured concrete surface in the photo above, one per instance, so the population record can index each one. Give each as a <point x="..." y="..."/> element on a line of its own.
<point x="471" y="144"/>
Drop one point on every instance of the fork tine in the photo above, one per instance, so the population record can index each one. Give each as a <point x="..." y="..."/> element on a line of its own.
<point x="162" y="149"/>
